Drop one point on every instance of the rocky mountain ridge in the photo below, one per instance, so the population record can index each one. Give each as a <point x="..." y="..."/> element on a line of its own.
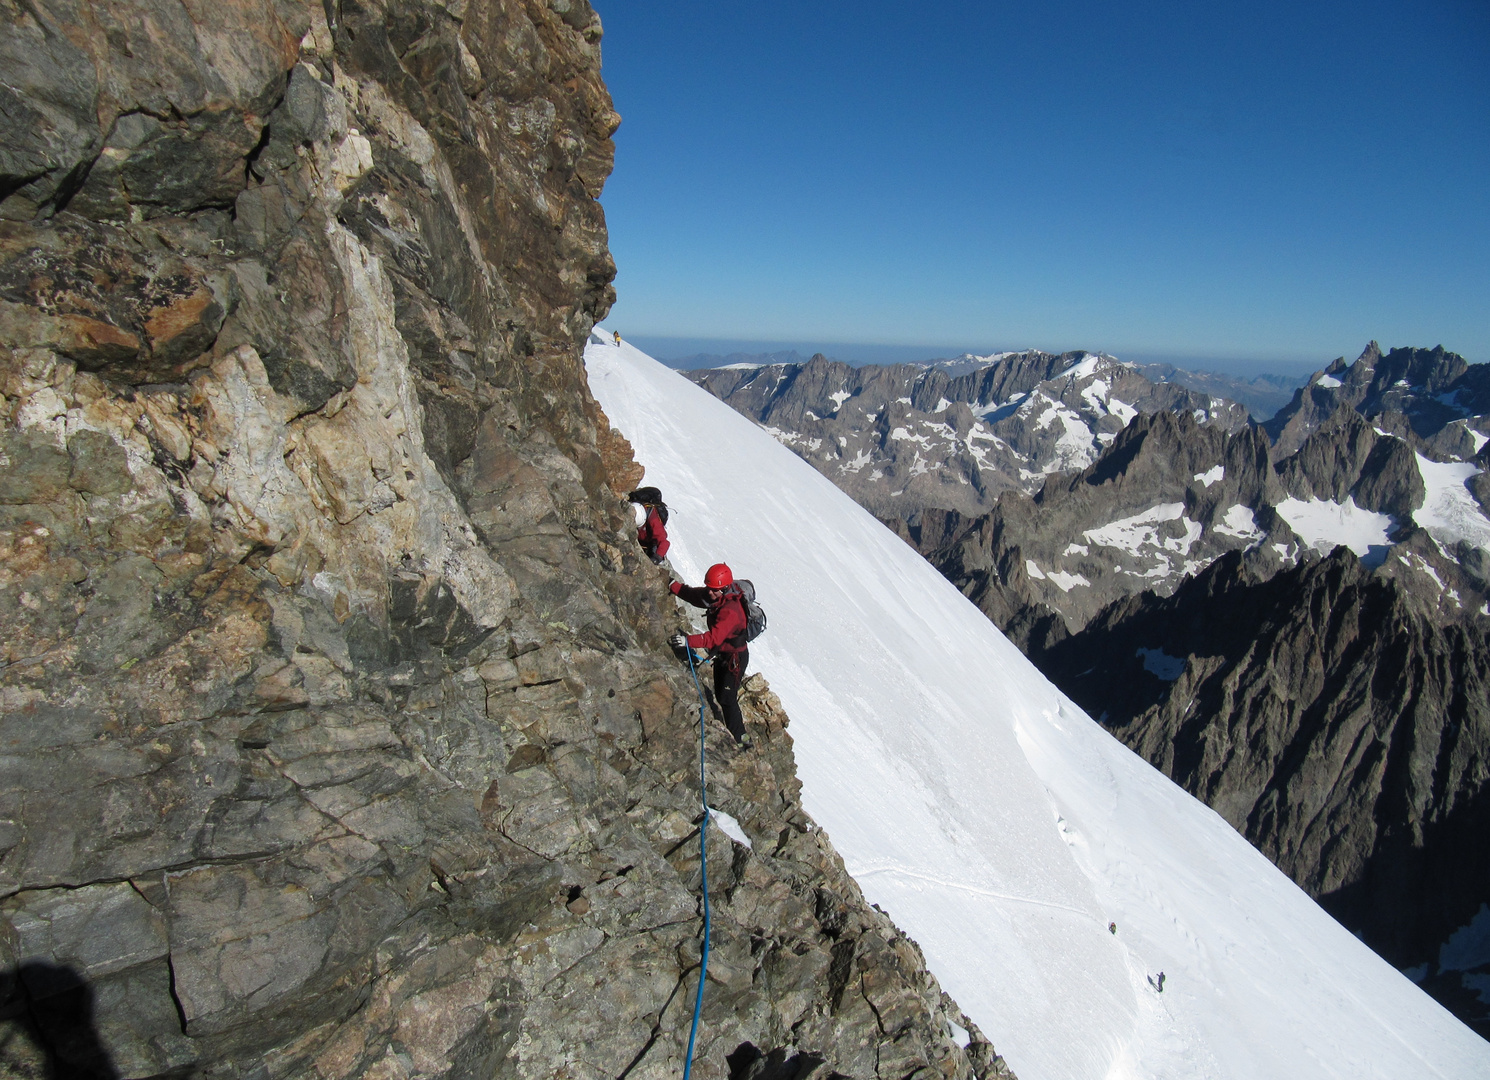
<point x="1172" y="489"/>
<point x="1429" y="396"/>
<point x="1169" y="498"/>
<point x="340" y="735"/>
<point x="904" y="437"/>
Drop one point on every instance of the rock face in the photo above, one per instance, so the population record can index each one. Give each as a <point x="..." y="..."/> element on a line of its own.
<point x="1336" y="723"/>
<point x="957" y="435"/>
<point x="1428" y="393"/>
<point x="339" y="737"/>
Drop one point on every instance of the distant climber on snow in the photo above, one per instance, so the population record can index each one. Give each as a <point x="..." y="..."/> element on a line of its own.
<point x="726" y="639"/>
<point x="618" y="338"/>
<point x="652" y="533"/>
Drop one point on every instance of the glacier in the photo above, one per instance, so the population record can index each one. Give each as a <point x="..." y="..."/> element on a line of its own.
<point x="1000" y="826"/>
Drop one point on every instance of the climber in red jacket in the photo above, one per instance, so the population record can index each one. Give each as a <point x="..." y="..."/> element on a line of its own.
<point x="652" y="535"/>
<point x="724" y="639"/>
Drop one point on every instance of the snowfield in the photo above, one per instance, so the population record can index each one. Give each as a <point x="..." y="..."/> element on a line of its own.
<point x="1325" y="525"/>
<point x="1449" y="511"/>
<point x="998" y="825"/>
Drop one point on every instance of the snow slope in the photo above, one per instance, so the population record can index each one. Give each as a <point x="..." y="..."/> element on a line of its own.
<point x="998" y="825"/>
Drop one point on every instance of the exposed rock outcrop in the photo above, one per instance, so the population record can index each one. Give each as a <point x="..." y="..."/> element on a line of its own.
<point x="1263" y="395"/>
<point x="1165" y="499"/>
<point x="1433" y="394"/>
<point x="339" y="735"/>
<point x="1170" y="495"/>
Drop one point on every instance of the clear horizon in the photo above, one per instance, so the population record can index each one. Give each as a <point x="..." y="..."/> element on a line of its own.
<point x="669" y="348"/>
<point x="1251" y="189"/>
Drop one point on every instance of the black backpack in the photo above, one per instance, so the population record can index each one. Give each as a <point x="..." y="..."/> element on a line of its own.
<point x="755" y="615"/>
<point x="650" y="496"/>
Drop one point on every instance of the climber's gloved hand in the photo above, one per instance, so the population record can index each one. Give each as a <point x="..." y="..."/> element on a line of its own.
<point x="678" y="642"/>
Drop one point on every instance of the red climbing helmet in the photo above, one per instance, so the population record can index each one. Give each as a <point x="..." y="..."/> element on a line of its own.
<point x="719" y="577"/>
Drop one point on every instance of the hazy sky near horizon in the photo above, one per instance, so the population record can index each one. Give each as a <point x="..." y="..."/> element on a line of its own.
<point x="1276" y="181"/>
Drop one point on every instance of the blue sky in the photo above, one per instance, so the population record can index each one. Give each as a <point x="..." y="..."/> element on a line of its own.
<point x="1268" y="183"/>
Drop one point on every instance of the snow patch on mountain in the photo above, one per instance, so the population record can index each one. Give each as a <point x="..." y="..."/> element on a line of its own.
<point x="1142" y="533"/>
<point x="729" y="826"/>
<point x="1468" y="947"/>
<point x="1160" y="663"/>
<point x="1241" y="522"/>
<point x="1086" y="366"/>
<point x="1066" y="582"/>
<point x="1324" y="525"/>
<point x="1449" y="512"/>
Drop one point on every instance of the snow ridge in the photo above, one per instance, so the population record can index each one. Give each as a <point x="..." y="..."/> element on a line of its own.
<point x="994" y="820"/>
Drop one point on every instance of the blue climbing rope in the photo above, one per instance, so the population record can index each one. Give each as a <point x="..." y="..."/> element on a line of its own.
<point x="703" y="857"/>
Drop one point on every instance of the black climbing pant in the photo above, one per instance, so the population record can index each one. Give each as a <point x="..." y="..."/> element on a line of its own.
<point x="729" y="669"/>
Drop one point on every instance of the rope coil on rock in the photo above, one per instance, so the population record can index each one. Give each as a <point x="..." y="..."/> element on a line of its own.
<point x="703" y="856"/>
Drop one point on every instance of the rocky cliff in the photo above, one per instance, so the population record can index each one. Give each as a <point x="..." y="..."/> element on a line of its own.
<point x="338" y="735"/>
<point x="1432" y="396"/>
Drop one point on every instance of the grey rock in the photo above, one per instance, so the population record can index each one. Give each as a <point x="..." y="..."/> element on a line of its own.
<point x="1263" y="395"/>
<point x="1428" y="388"/>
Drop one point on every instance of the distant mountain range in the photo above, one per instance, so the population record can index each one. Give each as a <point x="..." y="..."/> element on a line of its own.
<point x="1295" y="611"/>
<point x="910" y="436"/>
<point x="736" y="359"/>
<point x="1263" y="395"/>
